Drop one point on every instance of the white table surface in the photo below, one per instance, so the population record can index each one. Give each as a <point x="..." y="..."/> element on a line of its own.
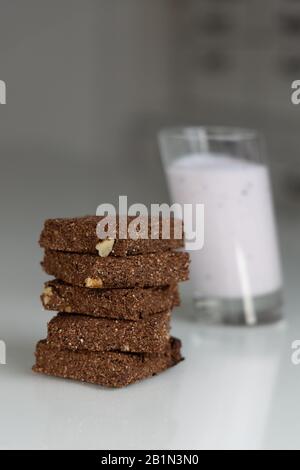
<point x="236" y="389"/>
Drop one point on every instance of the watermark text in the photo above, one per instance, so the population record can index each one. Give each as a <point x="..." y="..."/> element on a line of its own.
<point x="2" y="353"/>
<point x="295" y="96"/>
<point x="295" y="357"/>
<point x="2" y="92"/>
<point x="163" y="221"/>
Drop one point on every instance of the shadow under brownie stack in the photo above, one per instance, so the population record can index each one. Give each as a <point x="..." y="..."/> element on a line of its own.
<point x="115" y="299"/>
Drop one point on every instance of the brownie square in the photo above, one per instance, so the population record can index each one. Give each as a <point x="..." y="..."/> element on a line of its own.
<point x="91" y="271"/>
<point x="110" y="369"/>
<point x="81" y="332"/>
<point x="78" y="235"/>
<point x="126" y="304"/>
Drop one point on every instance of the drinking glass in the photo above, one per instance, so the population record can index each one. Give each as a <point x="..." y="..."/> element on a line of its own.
<point x="236" y="276"/>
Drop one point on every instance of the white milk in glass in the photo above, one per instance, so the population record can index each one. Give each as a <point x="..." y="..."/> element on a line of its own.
<point x="240" y="255"/>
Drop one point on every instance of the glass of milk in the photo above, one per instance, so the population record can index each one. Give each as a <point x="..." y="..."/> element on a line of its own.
<point x="236" y="276"/>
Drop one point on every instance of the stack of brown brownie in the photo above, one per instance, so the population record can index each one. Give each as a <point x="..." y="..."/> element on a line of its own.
<point x="115" y="298"/>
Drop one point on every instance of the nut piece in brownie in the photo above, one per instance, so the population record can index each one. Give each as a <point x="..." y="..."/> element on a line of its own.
<point x="91" y="271"/>
<point x="126" y="304"/>
<point x="80" y="332"/>
<point x="78" y="235"/>
<point x="110" y="369"/>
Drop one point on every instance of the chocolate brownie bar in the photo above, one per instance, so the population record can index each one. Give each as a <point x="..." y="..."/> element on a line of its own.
<point x="126" y="304"/>
<point x="78" y="235"/>
<point x="78" y="332"/>
<point x="111" y="369"/>
<point x="132" y="271"/>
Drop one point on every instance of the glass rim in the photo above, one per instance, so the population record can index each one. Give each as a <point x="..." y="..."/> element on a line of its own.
<point x="212" y="133"/>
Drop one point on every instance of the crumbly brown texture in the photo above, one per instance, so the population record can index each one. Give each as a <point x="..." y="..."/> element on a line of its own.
<point x="78" y="235"/>
<point x="80" y="332"/>
<point x="126" y="304"/>
<point x="110" y="369"/>
<point x="91" y="271"/>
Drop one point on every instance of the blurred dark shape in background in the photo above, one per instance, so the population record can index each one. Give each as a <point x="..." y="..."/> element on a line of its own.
<point x="90" y="83"/>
